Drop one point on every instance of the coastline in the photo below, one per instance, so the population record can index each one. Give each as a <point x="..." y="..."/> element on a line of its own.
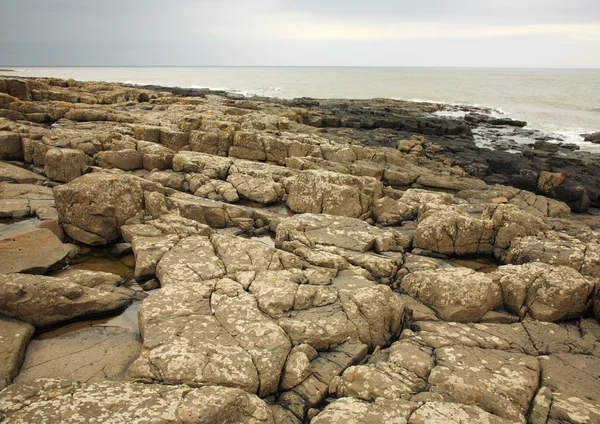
<point x="290" y="258"/>
<point x="554" y="114"/>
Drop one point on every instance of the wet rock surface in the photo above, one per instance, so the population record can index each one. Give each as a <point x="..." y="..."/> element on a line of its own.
<point x="330" y="261"/>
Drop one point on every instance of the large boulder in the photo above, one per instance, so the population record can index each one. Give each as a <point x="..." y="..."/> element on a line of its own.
<point x="457" y="294"/>
<point x="44" y="301"/>
<point x="454" y="232"/>
<point x="66" y="164"/>
<point x="92" y="208"/>
<point x="127" y="160"/>
<point x="331" y="193"/>
<point x="546" y="292"/>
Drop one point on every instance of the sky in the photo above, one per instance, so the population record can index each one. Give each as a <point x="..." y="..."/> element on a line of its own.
<point x="441" y="33"/>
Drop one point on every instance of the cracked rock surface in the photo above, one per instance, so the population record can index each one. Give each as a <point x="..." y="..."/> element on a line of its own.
<point x="306" y="261"/>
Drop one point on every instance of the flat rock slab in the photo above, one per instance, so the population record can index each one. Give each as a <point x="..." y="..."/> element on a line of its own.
<point x="44" y="301"/>
<point x="574" y="388"/>
<point x="31" y="250"/>
<point x="353" y="411"/>
<point x="15" y="174"/>
<point x="132" y="403"/>
<point x="88" y="355"/>
<point x="14" y="336"/>
<point x="503" y="383"/>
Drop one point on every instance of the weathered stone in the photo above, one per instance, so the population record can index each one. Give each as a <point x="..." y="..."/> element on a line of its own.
<point x="15" y="174"/>
<point x="44" y="301"/>
<point x="557" y="249"/>
<point x="66" y="164"/>
<point x="457" y="294"/>
<point x="31" y="250"/>
<point x="453" y="232"/>
<point x="547" y="293"/>
<point x="212" y="166"/>
<point x="499" y="382"/>
<point x="10" y="146"/>
<point x="331" y="193"/>
<point x="92" y="354"/>
<point x="262" y="190"/>
<point x="93" y="207"/>
<point x="387" y="211"/>
<point x="126" y="160"/>
<point x="130" y="403"/>
<point x="14" y="337"/>
<point x="574" y="383"/>
<point x="346" y="233"/>
<point x="349" y="410"/>
<point x="21" y="200"/>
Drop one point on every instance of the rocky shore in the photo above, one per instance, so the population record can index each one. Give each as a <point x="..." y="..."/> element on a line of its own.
<point x="187" y="256"/>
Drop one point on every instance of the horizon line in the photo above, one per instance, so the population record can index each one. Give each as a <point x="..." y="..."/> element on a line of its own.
<point x="4" y="67"/>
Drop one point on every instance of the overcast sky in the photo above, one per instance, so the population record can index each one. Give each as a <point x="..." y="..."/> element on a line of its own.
<point x="506" y="33"/>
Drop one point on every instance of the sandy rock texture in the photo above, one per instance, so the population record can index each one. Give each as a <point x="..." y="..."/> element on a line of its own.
<point x="191" y="256"/>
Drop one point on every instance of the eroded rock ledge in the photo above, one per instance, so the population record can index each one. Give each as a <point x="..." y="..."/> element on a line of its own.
<point x="317" y="261"/>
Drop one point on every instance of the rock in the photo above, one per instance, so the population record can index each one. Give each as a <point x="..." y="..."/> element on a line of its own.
<point x="10" y="146"/>
<point x="155" y="156"/>
<point x="593" y="138"/>
<point x="499" y="382"/>
<point x="21" y="200"/>
<point x="456" y="294"/>
<point x="510" y="223"/>
<point x="91" y="279"/>
<point x="214" y="167"/>
<point x="44" y="301"/>
<point x="453" y="413"/>
<point x="261" y="190"/>
<point x="573" y="383"/>
<point x="14" y="337"/>
<point x="14" y="174"/>
<point x="130" y="402"/>
<point x="126" y="160"/>
<point x="331" y="193"/>
<point x="92" y="354"/>
<point x="346" y="233"/>
<point x="218" y="190"/>
<point x="547" y="293"/>
<point x="149" y="251"/>
<point x="349" y="410"/>
<point x="168" y="178"/>
<point x="477" y="118"/>
<point x="31" y="250"/>
<point x="556" y="249"/>
<point x="214" y="351"/>
<point x="387" y="211"/>
<point x="454" y="232"/>
<point x="297" y="367"/>
<point x="404" y="374"/>
<point x="93" y="207"/>
<point x="66" y="164"/>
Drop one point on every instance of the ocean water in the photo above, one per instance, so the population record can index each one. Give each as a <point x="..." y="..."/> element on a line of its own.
<point x="564" y="102"/>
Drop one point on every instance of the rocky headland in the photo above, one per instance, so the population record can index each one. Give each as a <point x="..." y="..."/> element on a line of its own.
<point x="190" y="256"/>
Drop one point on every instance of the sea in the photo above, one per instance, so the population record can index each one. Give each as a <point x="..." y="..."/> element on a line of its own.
<point x="564" y="103"/>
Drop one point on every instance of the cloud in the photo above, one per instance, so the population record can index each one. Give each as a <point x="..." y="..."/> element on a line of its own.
<point x="311" y="32"/>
